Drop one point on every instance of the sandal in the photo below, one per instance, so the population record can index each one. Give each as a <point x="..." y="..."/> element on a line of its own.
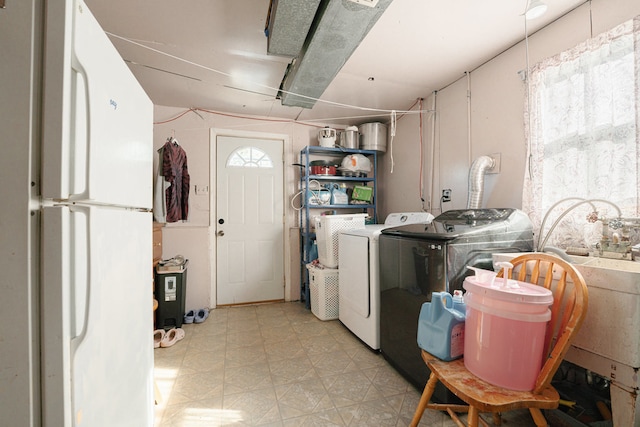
<point x="189" y="316"/>
<point x="158" y="336"/>
<point x="201" y="315"/>
<point x="170" y="338"/>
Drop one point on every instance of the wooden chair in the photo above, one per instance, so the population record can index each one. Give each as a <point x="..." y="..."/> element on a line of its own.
<point x="570" y="300"/>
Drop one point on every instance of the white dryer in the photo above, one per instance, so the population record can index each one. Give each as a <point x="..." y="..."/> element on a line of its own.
<point x="359" y="277"/>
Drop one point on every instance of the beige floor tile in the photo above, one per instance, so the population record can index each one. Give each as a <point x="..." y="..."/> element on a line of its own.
<point x="277" y="365"/>
<point x="258" y="407"/>
<point x="331" y="363"/>
<point x="247" y="378"/>
<point x="204" y="360"/>
<point x="277" y="333"/>
<point x="243" y="326"/>
<point x="243" y="356"/>
<point x="349" y="389"/>
<point x="371" y="413"/>
<point x="286" y="371"/>
<point x="328" y="418"/>
<point x="304" y="397"/>
<point x="244" y="338"/>
<point x="273" y="320"/>
<point x="283" y="350"/>
<point x="311" y="328"/>
<point x="211" y="343"/>
<point x="194" y="413"/>
<point x="199" y="385"/>
<point x="320" y="344"/>
<point x="210" y="330"/>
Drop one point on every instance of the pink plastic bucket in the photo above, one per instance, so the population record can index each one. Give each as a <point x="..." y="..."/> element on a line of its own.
<point x="505" y="330"/>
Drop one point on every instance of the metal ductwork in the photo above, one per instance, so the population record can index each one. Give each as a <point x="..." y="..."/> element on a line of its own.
<point x="288" y="24"/>
<point x="479" y="167"/>
<point x="338" y="28"/>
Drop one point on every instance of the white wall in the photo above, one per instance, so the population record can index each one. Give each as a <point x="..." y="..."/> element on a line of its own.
<point x="193" y="238"/>
<point x="496" y="123"/>
<point x="497" y="117"/>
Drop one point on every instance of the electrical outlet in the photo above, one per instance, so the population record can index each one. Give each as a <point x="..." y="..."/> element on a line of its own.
<point x="446" y="195"/>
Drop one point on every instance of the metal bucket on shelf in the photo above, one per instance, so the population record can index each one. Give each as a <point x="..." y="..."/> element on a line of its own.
<point x="373" y="136"/>
<point x="350" y="138"/>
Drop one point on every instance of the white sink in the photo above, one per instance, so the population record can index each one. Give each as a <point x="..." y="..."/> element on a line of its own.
<point x="611" y="264"/>
<point x="608" y="342"/>
<point x="611" y="326"/>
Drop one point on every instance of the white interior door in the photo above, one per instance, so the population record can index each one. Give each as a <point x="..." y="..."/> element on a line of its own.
<point x="249" y="220"/>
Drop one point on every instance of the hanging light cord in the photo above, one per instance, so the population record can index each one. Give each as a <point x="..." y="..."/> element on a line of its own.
<point x="420" y="139"/>
<point x="528" y="85"/>
<point x="393" y="134"/>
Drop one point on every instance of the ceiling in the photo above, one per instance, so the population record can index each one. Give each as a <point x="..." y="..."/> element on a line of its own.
<point x="212" y="54"/>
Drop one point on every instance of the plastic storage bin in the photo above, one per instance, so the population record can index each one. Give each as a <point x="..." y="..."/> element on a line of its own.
<point x="323" y="287"/>
<point x="171" y="290"/>
<point x="328" y="229"/>
<point x="505" y="330"/>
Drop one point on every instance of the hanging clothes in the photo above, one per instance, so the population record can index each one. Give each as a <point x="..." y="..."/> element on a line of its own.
<point x="175" y="172"/>
<point x="160" y="188"/>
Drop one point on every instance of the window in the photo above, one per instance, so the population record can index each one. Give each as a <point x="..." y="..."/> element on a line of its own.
<point x="583" y="132"/>
<point x="249" y="157"/>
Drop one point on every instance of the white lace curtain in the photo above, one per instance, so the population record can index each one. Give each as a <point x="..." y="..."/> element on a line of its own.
<point x="583" y="134"/>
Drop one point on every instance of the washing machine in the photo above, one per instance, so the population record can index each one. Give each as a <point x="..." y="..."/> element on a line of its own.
<point x="359" y="276"/>
<point x="417" y="260"/>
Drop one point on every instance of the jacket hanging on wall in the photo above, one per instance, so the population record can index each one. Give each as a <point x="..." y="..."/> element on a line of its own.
<point x="175" y="183"/>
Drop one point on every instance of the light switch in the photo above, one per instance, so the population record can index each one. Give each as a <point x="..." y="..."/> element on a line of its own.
<point x="202" y="189"/>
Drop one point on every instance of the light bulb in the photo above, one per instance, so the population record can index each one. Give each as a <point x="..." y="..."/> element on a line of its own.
<point x="535" y="10"/>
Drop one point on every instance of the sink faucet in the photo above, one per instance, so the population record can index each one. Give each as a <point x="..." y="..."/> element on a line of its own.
<point x="592" y="217"/>
<point x="619" y="243"/>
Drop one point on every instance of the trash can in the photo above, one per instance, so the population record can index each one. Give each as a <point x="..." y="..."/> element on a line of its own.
<point x="171" y="290"/>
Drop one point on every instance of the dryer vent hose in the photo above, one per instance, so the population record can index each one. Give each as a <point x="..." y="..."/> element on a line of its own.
<point x="476" y="180"/>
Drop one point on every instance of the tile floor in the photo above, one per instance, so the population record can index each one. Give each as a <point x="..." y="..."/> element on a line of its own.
<point x="278" y="365"/>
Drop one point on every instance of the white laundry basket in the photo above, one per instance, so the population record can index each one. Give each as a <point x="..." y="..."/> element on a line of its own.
<point x="328" y="229"/>
<point x="323" y="290"/>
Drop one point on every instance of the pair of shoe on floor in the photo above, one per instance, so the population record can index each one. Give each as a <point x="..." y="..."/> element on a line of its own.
<point x="162" y="338"/>
<point x="197" y="316"/>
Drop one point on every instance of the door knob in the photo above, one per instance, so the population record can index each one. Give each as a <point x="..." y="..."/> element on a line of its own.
<point x="220" y="233"/>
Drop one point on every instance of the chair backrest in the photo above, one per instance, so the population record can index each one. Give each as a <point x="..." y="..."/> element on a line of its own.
<point x="570" y="301"/>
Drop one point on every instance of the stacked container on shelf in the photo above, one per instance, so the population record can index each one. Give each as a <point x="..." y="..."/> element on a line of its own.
<point x="351" y="189"/>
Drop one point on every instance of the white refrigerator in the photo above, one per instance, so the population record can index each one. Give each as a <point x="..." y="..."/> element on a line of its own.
<point x="76" y="154"/>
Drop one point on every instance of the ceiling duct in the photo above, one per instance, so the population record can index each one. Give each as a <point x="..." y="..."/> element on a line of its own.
<point x="288" y="25"/>
<point x="336" y="32"/>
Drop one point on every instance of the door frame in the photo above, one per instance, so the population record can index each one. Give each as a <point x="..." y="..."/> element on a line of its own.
<point x="287" y="176"/>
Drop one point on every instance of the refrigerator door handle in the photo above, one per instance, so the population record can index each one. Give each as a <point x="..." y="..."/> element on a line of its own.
<point x="86" y="139"/>
<point x="83" y="327"/>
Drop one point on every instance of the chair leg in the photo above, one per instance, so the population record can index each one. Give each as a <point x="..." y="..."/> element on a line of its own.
<point x="424" y="400"/>
<point x="538" y="418"/>
<point x="497" y="419"/>
<point x="472" y="418"/>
